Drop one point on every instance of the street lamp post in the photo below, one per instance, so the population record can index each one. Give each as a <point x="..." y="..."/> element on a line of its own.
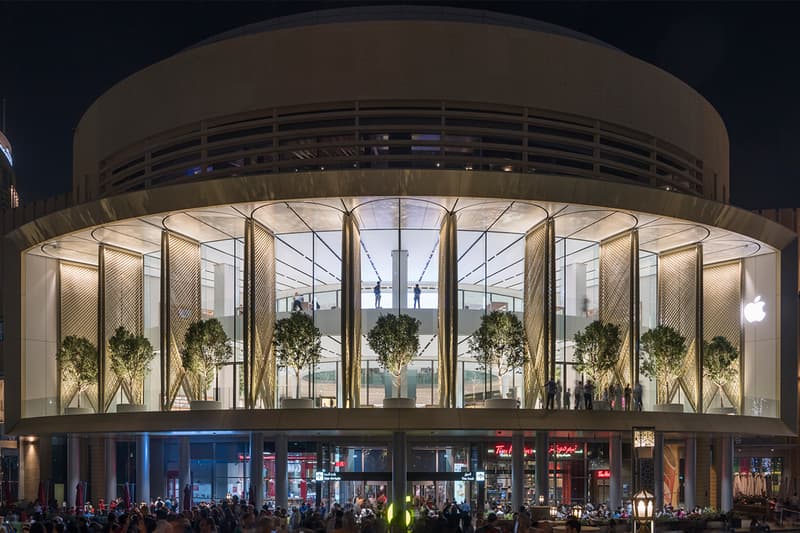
<point x="541" y="499"/>
<point x="553" y="512"/>
<point x="577" y="512"/>
<point x="644" y="509"/>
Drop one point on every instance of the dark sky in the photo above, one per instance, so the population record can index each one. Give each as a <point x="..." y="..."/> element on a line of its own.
<point x="56" y="58"/>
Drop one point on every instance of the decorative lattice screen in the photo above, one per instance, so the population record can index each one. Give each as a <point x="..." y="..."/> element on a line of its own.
<point x="181" y="276"/>
<point x="617" y="280"/>
<point x="679" y="283"/>
<point x="77" y="316"/>
<point x="722" y="301"/>
<point x="122" y="305"/>
<point x="538" y="316"/>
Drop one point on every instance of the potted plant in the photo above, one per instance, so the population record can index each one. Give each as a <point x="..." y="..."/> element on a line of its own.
<point x="206" y="347"/>
<point x="499" y="344"/>
<point x="395" y="339"/>
<point x="719" y="358"/>
<point x="77" y="361"/>
<point x="596" y="352"/>
<point x="665" y="349"/>
<point x="297" y="345"/>
<point x="130" y="357"/>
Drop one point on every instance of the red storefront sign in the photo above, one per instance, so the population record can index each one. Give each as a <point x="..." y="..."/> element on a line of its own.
<point x="602" y="474"/>
<point x="503" y="449"/>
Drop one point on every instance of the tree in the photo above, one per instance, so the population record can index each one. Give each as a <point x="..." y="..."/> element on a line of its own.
<point x="395" y="339"/>
<point x="499" y="343"/>
<point x="665" y="349"/>
<point x="77" y="359"/>
<point x="297" y="344"/>
<point x="206" y="347"/>
<point x="130" y="360"/>
<point x="719" y="357"/>
<point x="597" y="349"/>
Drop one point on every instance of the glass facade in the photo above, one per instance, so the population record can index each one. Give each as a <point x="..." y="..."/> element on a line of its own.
<point x="400" y="267"/>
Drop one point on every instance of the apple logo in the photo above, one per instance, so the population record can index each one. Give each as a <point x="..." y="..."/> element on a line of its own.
<point x="754" y="311"/>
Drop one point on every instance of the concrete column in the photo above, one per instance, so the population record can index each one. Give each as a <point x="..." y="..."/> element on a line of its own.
<point x="658" y="470"/>
<point x="281" y="471"/>
<point x="399" y="473"/>
<point x="184" y="467"/>
<point x="400" y="279"/>
<point x="257" y="468"/>
<point x="111" y="468"/>
<point x="703" y="467"/>
<point x="73" y="467"/>
<point x="351" y="313"/>
<point x="615" y="465"/>
<point x="542" y="465"/>
<point x="517" y="470"/>
<point x="29" y="472"/>
<point x="143" y="468"/>
<point x="690" y="473"/>
<point x="725" y="473"/>
<point x="158" y="481"/>
<point x="448" y="313"/>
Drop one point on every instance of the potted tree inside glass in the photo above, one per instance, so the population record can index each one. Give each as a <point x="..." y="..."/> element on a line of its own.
<point x="719" y="366"/>
<point x="130" y="357"/>
<point x="665" y="349"/>
<point x="596" y="352"/>
<point x="297" y="345"/>
<point x="206" y="347"/>
<point x="499" y="344"/>
<point x="395" y="340"/>
<point x="77" y="361"/>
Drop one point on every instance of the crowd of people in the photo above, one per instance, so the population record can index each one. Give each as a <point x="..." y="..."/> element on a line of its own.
<point x="237" y="516"/>
<point x="617" y="396"/>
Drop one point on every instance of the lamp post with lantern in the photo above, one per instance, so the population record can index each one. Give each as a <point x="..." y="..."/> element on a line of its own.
<point x="644" y="510"/>
<point x="644" y="443"/>
<point x="577" y="511"/>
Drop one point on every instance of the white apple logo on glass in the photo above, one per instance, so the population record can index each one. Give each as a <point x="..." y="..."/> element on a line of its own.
<point x="754" y="311"/>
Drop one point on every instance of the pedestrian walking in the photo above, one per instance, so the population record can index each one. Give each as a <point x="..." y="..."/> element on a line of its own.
<point x="627" y="395"/>
<point x="588" y="395"/>
<point x="550" y="386"/>
<point x="377" y="291"/>
<point x="578" y="395"/>
<point x="417" y="293"/>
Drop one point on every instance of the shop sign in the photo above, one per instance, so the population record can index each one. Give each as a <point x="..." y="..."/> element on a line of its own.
<point x="479" y="476"/>
<point x="327" y="476"/>
<point x="559" y="449"/>
<point x="602" y="474"/>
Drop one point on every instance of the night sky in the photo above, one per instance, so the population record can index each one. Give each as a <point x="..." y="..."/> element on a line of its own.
<point x="56" y="58"/>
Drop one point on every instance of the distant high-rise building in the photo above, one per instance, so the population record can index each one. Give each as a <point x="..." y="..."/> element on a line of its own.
<point x="8" y="184"/>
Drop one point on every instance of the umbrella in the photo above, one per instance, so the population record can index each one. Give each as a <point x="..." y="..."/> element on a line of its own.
<point x="186" y="499"/>
<point x="42" y="495"/>
<point x="126" y="496"/>
<point x="78" y="497"/>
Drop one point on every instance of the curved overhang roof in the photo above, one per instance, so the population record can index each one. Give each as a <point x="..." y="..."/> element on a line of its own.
<point x="598" y="209"/>
<point x="392" y="13"/>
<point x="372" y="422"/>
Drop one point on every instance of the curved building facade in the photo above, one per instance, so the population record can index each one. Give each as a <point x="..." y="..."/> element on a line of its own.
<point x="333" y="164"/>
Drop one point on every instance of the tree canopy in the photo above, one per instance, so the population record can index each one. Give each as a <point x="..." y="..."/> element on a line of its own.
<point x="499" y="343"/>
<point x="597" y="349"/>
<point x="719" y="358"/>
<point x="77" y="360"/>
<point x="395" y="340"/>
<point x="206" y="347"/>
<point x="130" y="357"/>
<point x="297" y="343"/>
<point x="665" y="349"/>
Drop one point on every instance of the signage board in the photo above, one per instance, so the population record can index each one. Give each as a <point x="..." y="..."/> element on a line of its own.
<point x="327" y="476"/>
